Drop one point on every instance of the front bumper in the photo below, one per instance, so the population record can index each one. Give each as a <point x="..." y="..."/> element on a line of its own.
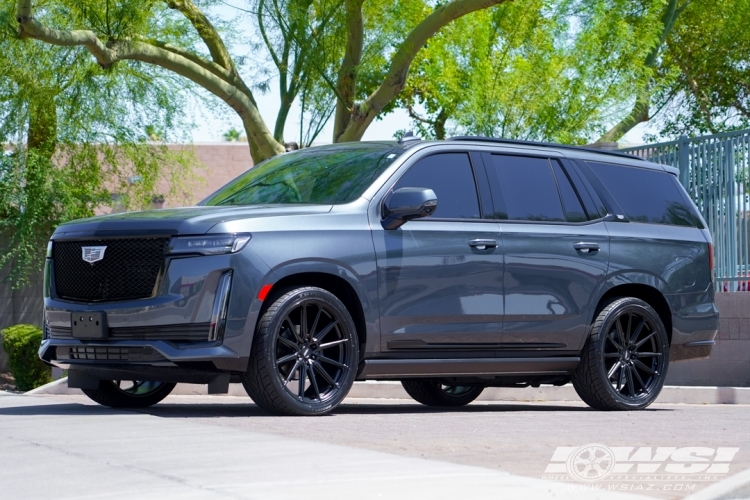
<point x="169" y="334"/>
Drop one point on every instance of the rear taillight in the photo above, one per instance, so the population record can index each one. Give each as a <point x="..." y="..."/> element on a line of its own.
<point x="711" y="259"/>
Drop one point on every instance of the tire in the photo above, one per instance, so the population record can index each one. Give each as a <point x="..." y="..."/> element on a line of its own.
<point x="624" y="362"/>
<point x="305" y="354"/>
<point x="434" y="393"/>
<point x="129" y="394"/>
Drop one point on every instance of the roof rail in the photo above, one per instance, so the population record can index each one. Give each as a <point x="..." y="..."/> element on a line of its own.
<point x="499" y="140"/>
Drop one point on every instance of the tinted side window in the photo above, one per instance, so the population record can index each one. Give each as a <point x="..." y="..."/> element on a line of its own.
<point x="645" y="195"/>
<point x="572" y="203"/>
<point x="527" y="186"/>
<point x="451" y="177"/>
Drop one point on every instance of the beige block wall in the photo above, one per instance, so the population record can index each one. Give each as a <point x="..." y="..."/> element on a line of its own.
<point x="729" y="364"/>
<point x="223" y="162"/>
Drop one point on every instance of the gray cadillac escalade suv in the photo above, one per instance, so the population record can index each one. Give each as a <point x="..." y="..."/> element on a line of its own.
<point x="451" y="266"/>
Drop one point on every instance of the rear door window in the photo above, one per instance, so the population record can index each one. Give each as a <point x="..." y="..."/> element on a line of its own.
<point x="526" y="187"/>
<point x="451" y="177"/>
<point x="645" y="195"/>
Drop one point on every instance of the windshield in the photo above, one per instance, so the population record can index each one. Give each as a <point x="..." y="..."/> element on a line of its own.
<point x="329" y="175"/>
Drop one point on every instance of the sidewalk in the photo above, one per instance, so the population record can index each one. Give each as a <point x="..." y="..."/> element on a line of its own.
<point x="393" y="390"/>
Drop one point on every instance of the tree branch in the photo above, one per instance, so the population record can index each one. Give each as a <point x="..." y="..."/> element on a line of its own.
<point x="115" y="51"/>
<point x="207" y="32"/>
<point x="364" y="113"/>
<point x="347" y="77"/>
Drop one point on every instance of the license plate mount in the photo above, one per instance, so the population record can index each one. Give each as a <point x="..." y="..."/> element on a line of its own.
<point x="88" y="325"/>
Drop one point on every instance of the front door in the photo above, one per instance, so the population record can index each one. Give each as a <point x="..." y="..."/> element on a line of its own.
<point x="440" y="279"/>
<point x="556" y="253"/>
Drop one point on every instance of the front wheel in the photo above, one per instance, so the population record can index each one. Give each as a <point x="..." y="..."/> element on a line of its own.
<point x="435" y="393"/>
<point x="305" y="354"/>
<point x="129" y="393"/>
<point x="624" y="363"/>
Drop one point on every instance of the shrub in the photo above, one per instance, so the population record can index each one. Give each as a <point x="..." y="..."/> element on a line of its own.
<point x="22" y="342"/>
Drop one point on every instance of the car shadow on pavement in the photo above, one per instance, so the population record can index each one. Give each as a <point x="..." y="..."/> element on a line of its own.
<point x="207" y="410"/>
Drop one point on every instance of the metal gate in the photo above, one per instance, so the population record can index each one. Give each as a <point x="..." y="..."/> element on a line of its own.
<point x="715" y="171"/>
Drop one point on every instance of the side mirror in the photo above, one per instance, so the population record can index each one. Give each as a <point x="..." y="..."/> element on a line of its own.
<point x="406" y="204"/>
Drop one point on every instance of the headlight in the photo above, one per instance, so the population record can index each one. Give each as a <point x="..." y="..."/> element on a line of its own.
<point x="49" y="249"/>
<point x="215" y="244"/>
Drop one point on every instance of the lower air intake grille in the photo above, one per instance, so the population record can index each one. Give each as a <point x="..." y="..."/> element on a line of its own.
<point x="127" y="270"/>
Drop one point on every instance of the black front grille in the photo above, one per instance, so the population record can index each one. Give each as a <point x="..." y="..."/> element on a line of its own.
<point x="128" y="270"/>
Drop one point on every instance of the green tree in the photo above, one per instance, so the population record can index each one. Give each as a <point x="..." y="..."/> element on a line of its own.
<point x="70" y="135"/>
<point x="118" y="30"/>
<point x="540" y="70"/>
<point x="696" y="77"/>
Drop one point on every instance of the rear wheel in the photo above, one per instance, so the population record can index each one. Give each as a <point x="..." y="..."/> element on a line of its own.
<point x="305" y="354"/>
<point x="129" y="393"/>
<point x="435" y="393"/>
<point x="624" y="363"/>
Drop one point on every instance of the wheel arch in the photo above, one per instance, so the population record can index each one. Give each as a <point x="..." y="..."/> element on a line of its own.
<point x="333" y="283"/>
<point x="645" y="292"/>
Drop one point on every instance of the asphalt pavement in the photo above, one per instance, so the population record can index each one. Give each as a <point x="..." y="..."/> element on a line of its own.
<point x="225" y="447"/>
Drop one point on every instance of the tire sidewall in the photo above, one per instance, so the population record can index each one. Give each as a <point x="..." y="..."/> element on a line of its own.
<point x="641" y="307"/>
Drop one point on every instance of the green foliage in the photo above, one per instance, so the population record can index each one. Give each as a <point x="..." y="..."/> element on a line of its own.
<point x="705" y="70"/>
<point x="21" y="343"/>
<point x="554" y="70"/>
<point x="70" y="133"/>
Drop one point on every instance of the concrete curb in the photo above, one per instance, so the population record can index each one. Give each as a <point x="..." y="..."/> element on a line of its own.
<point x="393" y="390"/>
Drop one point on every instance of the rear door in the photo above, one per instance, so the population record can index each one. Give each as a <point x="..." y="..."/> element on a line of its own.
<point x="440" y="278"/>
<point x="555" y="247"/>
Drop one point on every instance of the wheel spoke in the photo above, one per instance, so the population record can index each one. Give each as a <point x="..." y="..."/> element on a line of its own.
<point x="315" y="322"/>
<point x="288" y="343"/>
<point x="649" y="354"/>
<point x="640" y="380"/>
<point x="611" y="338"/>
<point x="331" y="344"/>
<point x="613" y="370"/>
<point x="637" y="332"/>
<point x="293" y="329"/>
<point x="291" y="373"/>
<point x="286" y="359"/>
<point x="303" y="322"/>
<point x="325" y="359"/>
<point x="621" y="379"/>
<point x="313" y="381"/>
<point x="324" y="374"/>
<point x="629" y="329"/>
<point x="302" y="377"/>
<point x="325" y="331"/>
<point x="643" y="367"/>
<point x="612" y="355"/>
<point x="644" y="339"/>
<point x="631" y="386"/>
<point x="620" y="333"/>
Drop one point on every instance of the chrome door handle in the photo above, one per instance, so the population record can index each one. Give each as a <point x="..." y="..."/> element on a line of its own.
<point x="584" y="247"/>
<point x="482" y="244"/>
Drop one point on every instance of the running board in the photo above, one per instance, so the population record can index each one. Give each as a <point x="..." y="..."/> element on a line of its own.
<point x="402" y="368"/>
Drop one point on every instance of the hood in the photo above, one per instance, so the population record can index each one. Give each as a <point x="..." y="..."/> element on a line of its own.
<point x="173" y="221"/>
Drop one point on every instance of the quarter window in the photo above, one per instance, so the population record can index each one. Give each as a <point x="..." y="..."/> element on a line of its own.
<point x="451" y="177"/>
<point x="645" y="195"/>
<point x="528" y="188"/>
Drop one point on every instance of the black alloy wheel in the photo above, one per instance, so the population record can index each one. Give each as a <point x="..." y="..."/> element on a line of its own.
<point x="129" y="393"/>
<point x="624" y="364"/>
<point x="435" y="393"/>
<point x="305" y="355"/>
